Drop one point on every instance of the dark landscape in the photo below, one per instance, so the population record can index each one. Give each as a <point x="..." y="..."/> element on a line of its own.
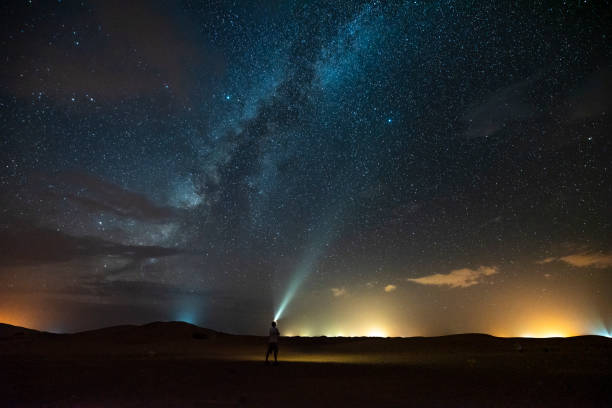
<point x="176" y="364"/>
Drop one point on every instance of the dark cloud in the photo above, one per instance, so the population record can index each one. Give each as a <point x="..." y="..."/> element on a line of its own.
<point x="27" y="244"/>
<point x="97" y="195"/>
<point x="79" y="195"/>
<point x="126" y="289"/>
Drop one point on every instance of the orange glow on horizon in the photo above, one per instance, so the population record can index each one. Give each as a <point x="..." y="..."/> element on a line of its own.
<point x="548" y="325"/>
<point x="16" y="319"/>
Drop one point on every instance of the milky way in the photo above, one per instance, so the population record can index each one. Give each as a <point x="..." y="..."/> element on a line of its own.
<point x="444" y="163"/>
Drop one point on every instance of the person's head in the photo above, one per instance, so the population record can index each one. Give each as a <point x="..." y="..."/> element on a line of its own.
<point x="273" y="324"/>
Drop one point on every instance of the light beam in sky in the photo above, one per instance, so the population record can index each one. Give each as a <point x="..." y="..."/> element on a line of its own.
<point x="189" y="310"/>
<point x="301" y="272"/>
<point x="310" y="258"/>
<point x="601" y="329"/>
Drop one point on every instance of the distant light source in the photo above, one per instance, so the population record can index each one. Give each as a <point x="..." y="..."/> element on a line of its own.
<point x="186" y="317"/>
<point x="544" y="335"/>
<point x="603" y="332"/>
<point x="376" y="333"/>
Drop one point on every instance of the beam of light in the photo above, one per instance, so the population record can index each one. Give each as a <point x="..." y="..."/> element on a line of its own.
<point x="301" y="272"/>
<point x="186" y="317"/>
<point x="318" y="244"/>
<point x="601" y="329"/>
<point x="189" y="310"/>
<point x="325" y="232"/>
<point x="603" y="332"/>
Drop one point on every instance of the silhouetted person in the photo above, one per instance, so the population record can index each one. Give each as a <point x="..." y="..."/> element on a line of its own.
<point x="273" y="342"/>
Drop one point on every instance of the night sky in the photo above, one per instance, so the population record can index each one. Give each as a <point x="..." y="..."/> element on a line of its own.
<point x="391" y="168"/>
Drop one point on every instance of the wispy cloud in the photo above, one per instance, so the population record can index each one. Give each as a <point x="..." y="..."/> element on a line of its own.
<point x="390" y="288"/>
<point x="584" y="259"/>
<point x="546" y="260"/>
<point x="338" y="291"/>
<point x="458" y="278"/>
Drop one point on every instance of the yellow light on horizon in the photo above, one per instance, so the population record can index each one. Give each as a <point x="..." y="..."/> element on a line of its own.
<point x="551" y="323"/>
<point x="372" y="332"/>
<point x="544" y="335"/>
<point x="375" y="332"/>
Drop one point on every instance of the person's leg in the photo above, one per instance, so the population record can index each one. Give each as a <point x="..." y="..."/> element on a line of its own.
<point x="275" y="353"/>
<point x="267" y="353"/>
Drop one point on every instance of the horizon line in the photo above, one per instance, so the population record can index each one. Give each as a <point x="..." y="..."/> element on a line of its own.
<point x="527" y="336"/>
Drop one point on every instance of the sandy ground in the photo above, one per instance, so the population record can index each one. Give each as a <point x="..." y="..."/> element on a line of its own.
<point x="179" y="365"/>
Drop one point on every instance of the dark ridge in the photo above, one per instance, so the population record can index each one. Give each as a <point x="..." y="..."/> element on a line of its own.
<point x="8" y="330"/>
<point x="155" y="331"/>
<point x="147" y="327"/>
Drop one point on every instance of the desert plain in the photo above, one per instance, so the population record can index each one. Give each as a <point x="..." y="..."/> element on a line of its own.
<point x="175" y="364"/>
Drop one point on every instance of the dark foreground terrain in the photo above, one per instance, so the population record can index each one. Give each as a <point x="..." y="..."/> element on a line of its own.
<point x="180" y="365"/>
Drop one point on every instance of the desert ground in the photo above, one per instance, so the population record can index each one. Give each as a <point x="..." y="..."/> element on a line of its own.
<point x="176" y="364"/>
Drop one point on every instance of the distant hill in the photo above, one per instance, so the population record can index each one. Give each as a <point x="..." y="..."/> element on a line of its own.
<point x="156" y="330"/>
<point x="8" y="330"/>
<point x="131" y="332"/>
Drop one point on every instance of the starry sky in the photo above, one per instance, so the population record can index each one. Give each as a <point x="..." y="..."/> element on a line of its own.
<point x="394" y="168"/>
